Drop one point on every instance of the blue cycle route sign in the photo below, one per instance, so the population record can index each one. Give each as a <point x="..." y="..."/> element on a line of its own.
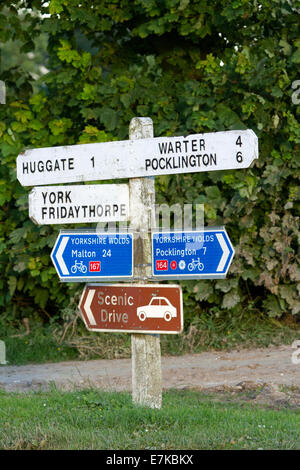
<point x="205" y="254"/>
<point x="81" y="256"/>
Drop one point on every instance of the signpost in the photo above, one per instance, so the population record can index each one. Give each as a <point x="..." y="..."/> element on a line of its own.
<point x="79" y="204"/>
<point x="132" y="308"/>
<point x="141" y="309"/>
<point x="195" y="254"/>
<point x="138" y="158"/>
<point x="80" y="256"/>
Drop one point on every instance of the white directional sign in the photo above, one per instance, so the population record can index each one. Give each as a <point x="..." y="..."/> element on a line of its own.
<point x="138" y="158"/>
<point x="79" y="204"/>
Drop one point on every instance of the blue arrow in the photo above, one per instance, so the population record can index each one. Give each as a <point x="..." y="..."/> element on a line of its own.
<point x="205" y="254"/>
<point x="80" y="256"/>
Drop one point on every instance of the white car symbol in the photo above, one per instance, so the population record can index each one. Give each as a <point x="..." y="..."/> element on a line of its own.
<point x="159" y="307"/>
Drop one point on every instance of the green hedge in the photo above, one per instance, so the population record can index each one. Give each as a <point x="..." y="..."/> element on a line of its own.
<point x="192" y="66"/>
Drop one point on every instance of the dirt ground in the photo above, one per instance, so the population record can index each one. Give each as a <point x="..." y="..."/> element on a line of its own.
<point x="265" y="370"/>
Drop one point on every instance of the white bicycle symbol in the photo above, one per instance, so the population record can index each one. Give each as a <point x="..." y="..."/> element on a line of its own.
<point x="194" y="264"/>
<point x="78" y="266"/>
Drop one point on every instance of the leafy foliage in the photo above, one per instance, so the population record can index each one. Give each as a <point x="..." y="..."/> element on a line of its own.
<point x="192" y="66"/>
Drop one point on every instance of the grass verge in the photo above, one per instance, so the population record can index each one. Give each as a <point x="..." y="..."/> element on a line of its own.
<point x="71" y="341"/>
<point x="188" y="419"/>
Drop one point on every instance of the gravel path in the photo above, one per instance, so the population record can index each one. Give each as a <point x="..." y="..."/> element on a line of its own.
<point x="208" y="370"/>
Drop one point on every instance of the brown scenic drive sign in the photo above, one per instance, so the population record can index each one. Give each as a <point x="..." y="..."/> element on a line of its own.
<point x="132" y="308"/>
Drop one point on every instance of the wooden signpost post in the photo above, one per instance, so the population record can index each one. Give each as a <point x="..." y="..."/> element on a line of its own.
<point x="144" y="310"/>
<point x="146" y="355"/>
